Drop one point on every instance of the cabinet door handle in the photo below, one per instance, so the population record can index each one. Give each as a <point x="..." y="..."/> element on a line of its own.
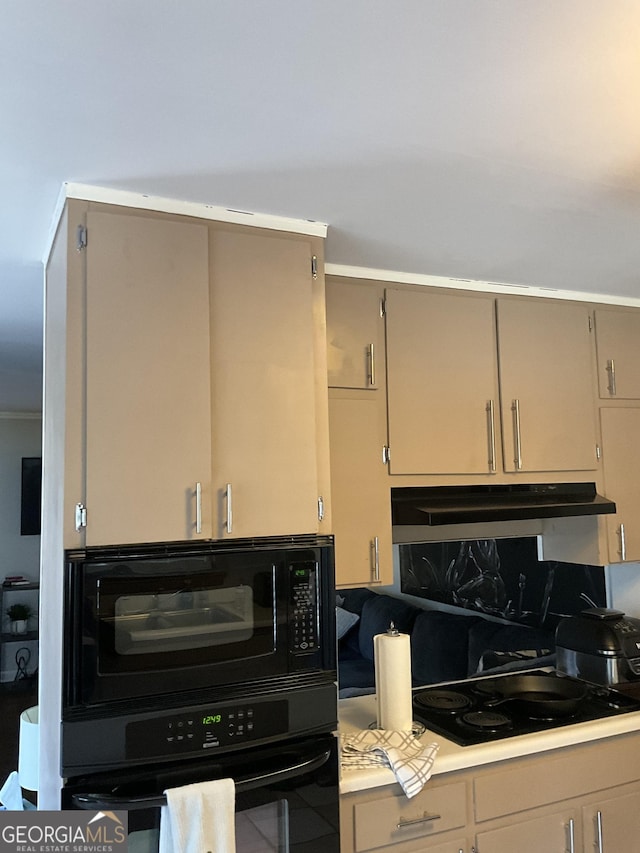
<point x="416" y="820"/>
<point x="375" y="549"/>
<point x="491" y="428"/>
<point x="372" y="365"/>
<point x="599" y="831"/>
<point x="198" y="507"/>
<point x="571" y="829"/>
<point x="515" y="408"/>
<point x="611" y="370"/>
<point x="623" y="543"/>
<point x="229" y="494"/>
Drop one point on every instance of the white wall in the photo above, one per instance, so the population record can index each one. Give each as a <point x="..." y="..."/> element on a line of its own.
<point x="19" y="436"/>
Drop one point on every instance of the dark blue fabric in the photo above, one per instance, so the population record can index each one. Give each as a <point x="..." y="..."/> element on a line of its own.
<point x="356" y="673"/>
<point x="377" y="614"/>
<point x="354" y="599"/>
<point x="494" y="636"/>
<point x="440" y="646"/>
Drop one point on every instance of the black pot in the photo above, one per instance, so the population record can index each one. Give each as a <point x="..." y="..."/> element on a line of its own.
<point x="539" y="695"/>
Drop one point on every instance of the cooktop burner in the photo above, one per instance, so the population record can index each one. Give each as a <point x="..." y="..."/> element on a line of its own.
<point x="464" y="711"/>
<point x="443" y="700"/>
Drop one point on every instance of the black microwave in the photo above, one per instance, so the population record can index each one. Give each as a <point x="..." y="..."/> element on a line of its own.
<point x="178" y="650"/>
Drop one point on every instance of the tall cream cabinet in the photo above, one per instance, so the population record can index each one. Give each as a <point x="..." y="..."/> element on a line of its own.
<point x="195" y="382"/>
<point x="265" y="415"/>
<point x="621" y="464"/>
<point x="359" y="497"/>
<point x="478" y="385"/>
<point x="358" y="433"/>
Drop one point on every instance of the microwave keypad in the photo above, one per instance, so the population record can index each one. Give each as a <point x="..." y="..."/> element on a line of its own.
<point x="304" y="627"/>
<point x="205" y="729"/>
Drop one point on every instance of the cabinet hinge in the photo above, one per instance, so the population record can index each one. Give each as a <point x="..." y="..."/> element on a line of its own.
<point x="81" y="516"/>
<point x="383" y="306"/>
<point x="81" y="238"/>
<point x="598" y="452"/>
<point x="314" y="266"/>
<point x="386" y="455"/>
<point x="320" y="508"/>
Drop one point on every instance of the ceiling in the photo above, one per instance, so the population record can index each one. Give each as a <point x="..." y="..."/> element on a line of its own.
<point x="496" y="140"/>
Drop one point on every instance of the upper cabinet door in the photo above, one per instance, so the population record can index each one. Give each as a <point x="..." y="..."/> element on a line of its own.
<point x="265" y="468"/>
<point x="547" y="390"/>
<point x="621" y="466"/>
<point x="442" y="383"/>
<point x="355" y="335"/>
<point x="148" y="410"/>
<point x="618" y="345"/>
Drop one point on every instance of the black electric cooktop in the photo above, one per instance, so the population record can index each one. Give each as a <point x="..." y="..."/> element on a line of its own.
<point x="464" y="711"/>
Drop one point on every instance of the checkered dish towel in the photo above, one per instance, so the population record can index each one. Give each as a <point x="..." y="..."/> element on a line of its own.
<point x="410" y="761"/>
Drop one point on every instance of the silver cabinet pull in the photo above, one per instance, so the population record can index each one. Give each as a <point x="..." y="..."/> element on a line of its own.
<point x="611" y="370"/>
<point x="515" y="408"/>
<point x="571" y="828"/>
<point x="372" y="365"/>
<point x="599" y="831"/>
<point x="491" y="428"/>
<point x="320" y="508"/>
<point x="229" y="495"/>
<point x="198" y="507"/>
<point x="375" y="548"/>
<point x="416" y="820"/>
<point x="623" y="543"/>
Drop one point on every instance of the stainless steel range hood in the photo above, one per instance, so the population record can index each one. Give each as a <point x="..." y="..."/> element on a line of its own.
<point x="444" y="505"/>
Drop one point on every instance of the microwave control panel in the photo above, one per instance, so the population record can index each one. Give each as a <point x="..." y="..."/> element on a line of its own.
<point x="204" y="729"/>
<point x="303" y="608"/>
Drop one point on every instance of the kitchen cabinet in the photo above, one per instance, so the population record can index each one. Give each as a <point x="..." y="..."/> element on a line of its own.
<point x="195" y="380"/>
<point x="442" y="383"/>
<point x="612" y="824"/>
<point x="264" y="403"/>
<point x="618" y="348"/>
<point x="621" y="471"/>
<point x="355" y="334"/>
<point x="546" y="385"/>
<point x="557" y="801"/>
<point x="359" y="496"/>
<point x="147" y="429"/>
<point x="553" y="833"/>
<point x="449" y="413"/>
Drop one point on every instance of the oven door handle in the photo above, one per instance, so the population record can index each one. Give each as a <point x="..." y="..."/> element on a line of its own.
<point x="111" y="803"/>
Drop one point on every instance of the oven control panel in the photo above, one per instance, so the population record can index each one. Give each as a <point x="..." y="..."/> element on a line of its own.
<point x="303" y="608"/>
<point x="206" y="728"/>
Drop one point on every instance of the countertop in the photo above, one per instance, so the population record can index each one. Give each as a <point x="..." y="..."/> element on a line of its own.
<point x="359" y="712"/>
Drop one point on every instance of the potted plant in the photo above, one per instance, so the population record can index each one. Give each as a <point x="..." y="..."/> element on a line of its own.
<point x="19" y="615"/>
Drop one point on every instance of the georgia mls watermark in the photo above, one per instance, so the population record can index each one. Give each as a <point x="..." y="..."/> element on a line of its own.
<point x="63" y="832"/>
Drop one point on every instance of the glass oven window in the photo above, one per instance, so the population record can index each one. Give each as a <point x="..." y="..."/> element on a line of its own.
<point x="185" y="619"/>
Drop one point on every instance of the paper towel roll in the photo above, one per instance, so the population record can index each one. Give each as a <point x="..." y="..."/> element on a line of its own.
<point x="392" y="658"/>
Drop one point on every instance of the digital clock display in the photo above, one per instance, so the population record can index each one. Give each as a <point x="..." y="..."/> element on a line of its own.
<point x="211" y="719"/>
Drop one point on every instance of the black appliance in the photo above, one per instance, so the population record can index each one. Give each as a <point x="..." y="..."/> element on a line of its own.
<point x="287" y="797"/>
<point x="166" y="634"/>
<point x="193" y="661"/>
<point x="436" y="505"/>
<point x="599" y="645"/>
<point x="488" y="709"/>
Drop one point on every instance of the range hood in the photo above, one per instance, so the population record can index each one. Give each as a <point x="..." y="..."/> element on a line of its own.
<point x="438" y="505"/>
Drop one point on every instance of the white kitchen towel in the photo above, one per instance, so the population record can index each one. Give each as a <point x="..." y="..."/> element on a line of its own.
<point x="199" y="818"/>
<point x="411" y="761"/>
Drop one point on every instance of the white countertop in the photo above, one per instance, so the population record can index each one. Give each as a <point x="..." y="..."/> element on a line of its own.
<point x="359" y="712"/>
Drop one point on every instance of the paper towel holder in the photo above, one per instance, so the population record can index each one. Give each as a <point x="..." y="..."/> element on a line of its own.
<point x="392" y="630"/>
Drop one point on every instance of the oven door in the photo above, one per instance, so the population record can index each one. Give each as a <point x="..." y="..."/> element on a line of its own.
<point x="287" y="797"/>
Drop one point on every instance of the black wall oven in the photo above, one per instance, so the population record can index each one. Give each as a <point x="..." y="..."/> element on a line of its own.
<point x="193" y="661"/>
